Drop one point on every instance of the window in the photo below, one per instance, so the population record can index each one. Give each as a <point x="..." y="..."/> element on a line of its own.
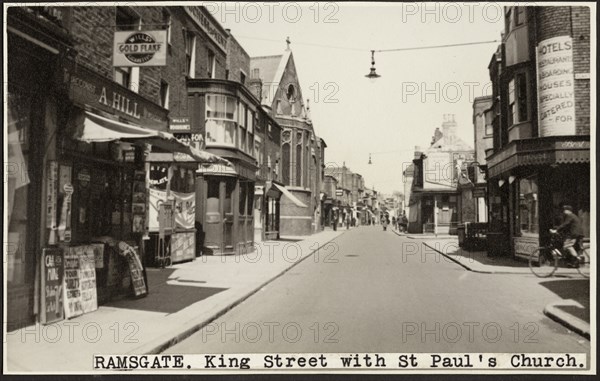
<point x="255" y="73"/>
<point x="508" y="20"/>
<point x="285" y="163"/>
<point x="519" y="15"/>
<point x="522" y="96"/>
<point x="220" y="120"/>
<point x="250" y="129"/>
<point x="211" y="64"/>
<point x="517" y="99"/>
<point x="243" y="114"/>
<point x="512" y="107"/>
<point x="489" y="126"/>
<point x="164" y="94"/>
<point x="299" y="165"/>
<point x="242" y="78"/>
<point x="125" y="19"/>
<point x="190" y="54"/>
<point x="291" y="93"/>
<point x="258" y="154"/>
<point x="278" y="107"/>
<point x="528" y="206"/>
<point x="168" y="26"/>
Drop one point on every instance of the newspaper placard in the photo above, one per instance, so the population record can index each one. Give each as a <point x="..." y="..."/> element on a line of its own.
<point x="87" y="275"/>
<point x="72" y="288"/>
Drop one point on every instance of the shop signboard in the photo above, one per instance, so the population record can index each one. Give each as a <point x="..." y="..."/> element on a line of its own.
<point x="556" y="86"/>
<point x="183" y="246"/>
<point x="137" y="274"/>
<point x="51" y="285"/>
<point x="179" y="124"/>
<point x="525" y="245"/>
<point x="140" y="48"/>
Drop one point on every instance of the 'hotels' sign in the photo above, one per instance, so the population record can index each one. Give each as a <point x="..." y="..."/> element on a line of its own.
<point x="140" y="48"/>
<point x="556" y="86"/>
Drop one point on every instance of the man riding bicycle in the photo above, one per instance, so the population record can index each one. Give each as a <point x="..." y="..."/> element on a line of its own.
<point x="572" y="232"/>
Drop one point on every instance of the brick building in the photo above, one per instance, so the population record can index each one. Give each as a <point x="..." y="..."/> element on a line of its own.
<point x="109" y="158"/>
<point x="541" y="126"/>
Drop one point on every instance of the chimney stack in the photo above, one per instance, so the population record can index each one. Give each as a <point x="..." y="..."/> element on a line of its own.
<point x="255" y="85"/>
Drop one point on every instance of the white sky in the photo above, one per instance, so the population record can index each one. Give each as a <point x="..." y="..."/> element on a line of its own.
<point x="372" y="117"/>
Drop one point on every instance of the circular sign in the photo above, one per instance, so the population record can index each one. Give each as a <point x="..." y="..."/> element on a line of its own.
<point x="68" y="189"/>
<point x="139" y="47"/>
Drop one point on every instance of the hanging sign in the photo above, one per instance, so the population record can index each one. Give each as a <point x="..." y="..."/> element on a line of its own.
<point x="52" y="197"/>
<point x="140" y="48"/>
<point x="179" y="124"/>
<point x="51" y="285"/>
<point x="556" y="86"/>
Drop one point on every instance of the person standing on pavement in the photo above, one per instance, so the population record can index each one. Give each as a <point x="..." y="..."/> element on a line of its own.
<point x="348" y="221"/>
<point x="335" y="219"/>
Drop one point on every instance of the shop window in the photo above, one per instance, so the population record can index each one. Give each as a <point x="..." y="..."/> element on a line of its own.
<point x="243" y="196"/>
<point x="528" y="206"/>
<point x="212" y="196"/>
<point x="17" y="184"/>
<point x="229" y="189"/>
<point x="250" y="199"/>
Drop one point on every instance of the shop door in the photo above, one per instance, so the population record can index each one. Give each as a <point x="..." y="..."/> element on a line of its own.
<point x="219" y="214"/>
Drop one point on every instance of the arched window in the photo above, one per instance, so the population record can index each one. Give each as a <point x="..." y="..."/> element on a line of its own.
<point x="285" y="162"/>
<point x="291" y="93"/>
<point x="299" y="164"/>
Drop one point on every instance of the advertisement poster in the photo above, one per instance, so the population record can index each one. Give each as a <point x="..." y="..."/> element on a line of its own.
<point x="72" y="290"/>
<point x="157" y="197"/>
<point x="140" y="48"/>
<point x="51" y="285"/>
<point x="87" y="279"/>
<point x="137" y="275"/>
<point x="556" y="86"/>
<point x="185" y="209"/>
<point x="438" y="171"/>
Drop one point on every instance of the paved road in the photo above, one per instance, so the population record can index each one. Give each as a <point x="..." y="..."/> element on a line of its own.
<point x="365" y="293"/>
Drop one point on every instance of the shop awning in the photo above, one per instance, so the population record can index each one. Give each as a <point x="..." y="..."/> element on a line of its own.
<point x="289" y="195"/>
<point x="551" y="150"/>
<point x="95" y="128"/>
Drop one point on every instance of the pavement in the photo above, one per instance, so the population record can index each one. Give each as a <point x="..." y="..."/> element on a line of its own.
<point x="181" y="300"/>
<point x="572" y="310"/>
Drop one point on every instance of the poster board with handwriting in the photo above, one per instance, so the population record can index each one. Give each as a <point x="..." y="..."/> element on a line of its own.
<point x="51" y="285"/>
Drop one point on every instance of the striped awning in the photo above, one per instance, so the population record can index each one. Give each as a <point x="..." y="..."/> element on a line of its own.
<point x="90" y="127"/>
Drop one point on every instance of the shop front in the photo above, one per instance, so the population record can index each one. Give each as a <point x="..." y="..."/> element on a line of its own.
<point x="530" y="180"/>
<point x="225" y="208"/>
<point x="266" y="214"/>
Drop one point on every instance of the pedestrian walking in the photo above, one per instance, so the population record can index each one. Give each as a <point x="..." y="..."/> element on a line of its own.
<point x="335" y="219"/>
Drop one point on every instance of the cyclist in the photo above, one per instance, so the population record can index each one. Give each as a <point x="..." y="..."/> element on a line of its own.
<point x="572" y="232"/>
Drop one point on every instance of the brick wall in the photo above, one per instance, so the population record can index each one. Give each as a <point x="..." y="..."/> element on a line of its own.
<point x="238" y="60"/>
<point x="581" y="64"/>
<point x="93" y="32"/>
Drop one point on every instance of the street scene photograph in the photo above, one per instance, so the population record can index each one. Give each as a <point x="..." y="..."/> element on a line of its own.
<point x="299" y="188"/>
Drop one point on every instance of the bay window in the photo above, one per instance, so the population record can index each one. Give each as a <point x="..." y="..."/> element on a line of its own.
<point x="242" y="122"/>
<point x="220" y="120"/>
<point x="250" y="129"/>
<point x="517" y="99"/>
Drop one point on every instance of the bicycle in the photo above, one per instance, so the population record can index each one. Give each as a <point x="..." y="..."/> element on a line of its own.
<point x="544" y="261"/>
